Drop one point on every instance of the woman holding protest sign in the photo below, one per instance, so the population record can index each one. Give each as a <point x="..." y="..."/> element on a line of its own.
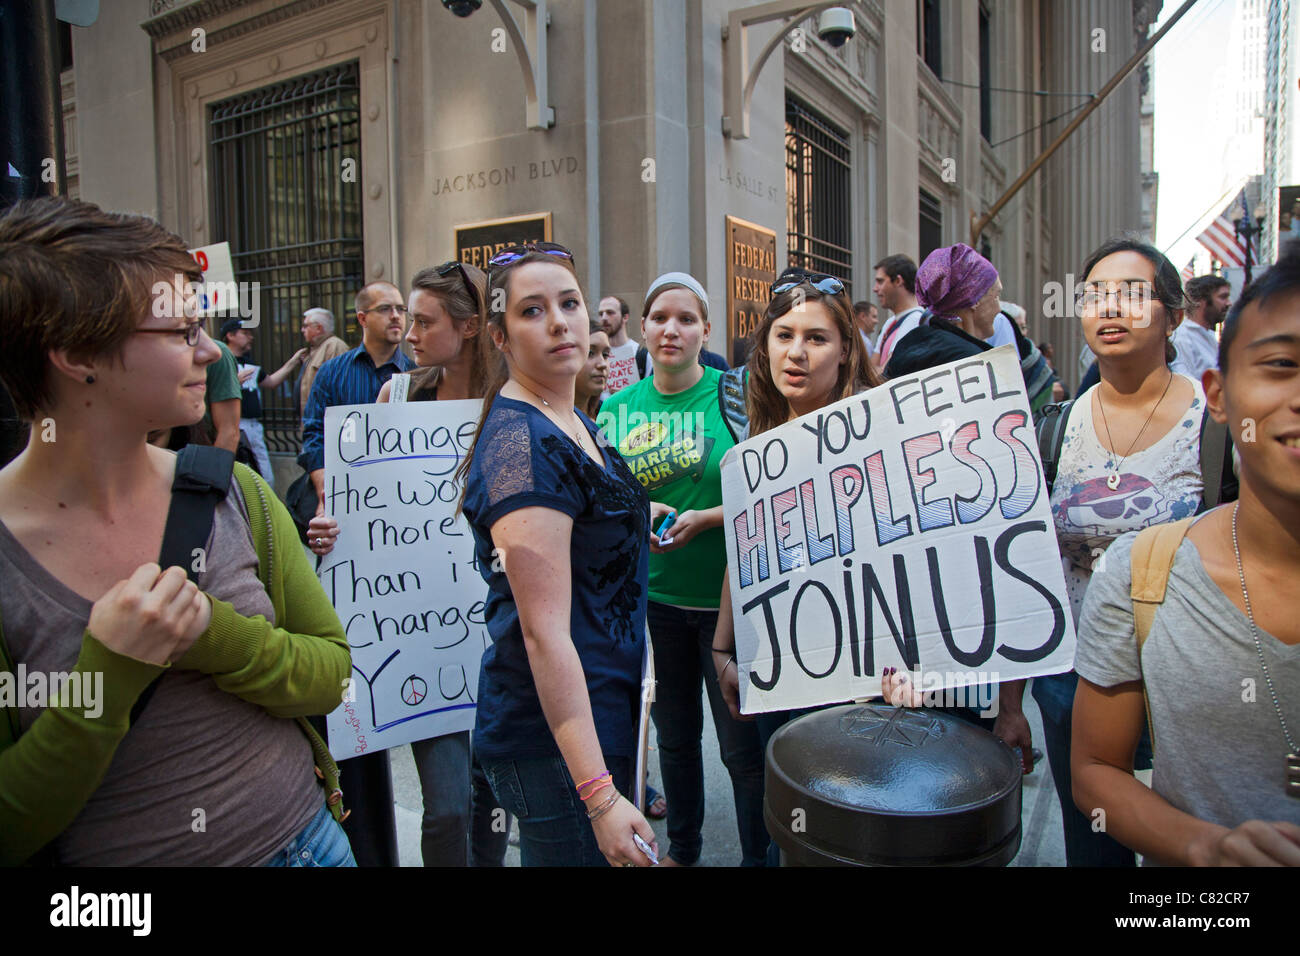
<point x="561" y="529"/>
<point x="807" y="355"/>
<point x="170" y="591"/>
<point x="670" y="430"/>
<point x="1125" y="455"/>
<point x="453" y="360"/>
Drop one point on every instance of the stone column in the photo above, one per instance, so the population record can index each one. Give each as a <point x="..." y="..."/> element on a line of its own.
<point x="1092" y="186"/>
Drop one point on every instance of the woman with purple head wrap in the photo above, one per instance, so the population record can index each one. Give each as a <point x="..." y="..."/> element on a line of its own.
<point x="954" y="281"/>
<point x="959" y="290"/>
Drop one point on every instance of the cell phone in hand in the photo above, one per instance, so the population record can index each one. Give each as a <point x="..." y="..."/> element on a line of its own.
<point x="667" y="523"/>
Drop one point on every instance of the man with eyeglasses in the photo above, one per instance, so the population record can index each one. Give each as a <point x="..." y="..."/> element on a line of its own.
<point x="355" y="378"/>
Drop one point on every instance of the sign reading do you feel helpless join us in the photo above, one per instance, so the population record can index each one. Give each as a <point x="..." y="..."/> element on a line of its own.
<point x="907" y="526"/>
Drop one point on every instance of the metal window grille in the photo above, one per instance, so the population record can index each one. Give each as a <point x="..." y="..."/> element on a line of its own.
<point x="818" y="177"/>
<point x="281" y="198"/>
<point x="986" y="74"/>
<point x="929" y="36"/>
<point x="931" y="224"/>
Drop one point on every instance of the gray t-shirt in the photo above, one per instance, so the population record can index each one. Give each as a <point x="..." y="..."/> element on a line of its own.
<point x="1219" y="750"/>
<point x="195" y="747"/>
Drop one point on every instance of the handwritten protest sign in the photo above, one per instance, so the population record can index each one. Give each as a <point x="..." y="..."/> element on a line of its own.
<point x="402" y="576"/>
<point x="908" y="527"/>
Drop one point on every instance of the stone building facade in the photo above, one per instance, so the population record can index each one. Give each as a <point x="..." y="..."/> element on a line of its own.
<point x="337" y="141"/>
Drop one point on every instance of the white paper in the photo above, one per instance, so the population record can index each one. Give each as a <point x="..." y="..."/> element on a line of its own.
<point x="402" y="575"/>
<point x="934" y="475"/>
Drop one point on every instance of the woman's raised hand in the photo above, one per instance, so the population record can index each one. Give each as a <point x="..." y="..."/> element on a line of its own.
<point x="898" y="690"/>
<point x="153" y="616"/>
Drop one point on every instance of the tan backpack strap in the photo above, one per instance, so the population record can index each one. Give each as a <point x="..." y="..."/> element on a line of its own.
<point x="1151" y="561"/>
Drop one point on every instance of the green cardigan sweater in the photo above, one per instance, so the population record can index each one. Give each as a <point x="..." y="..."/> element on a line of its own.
<point x="292" y="670"/>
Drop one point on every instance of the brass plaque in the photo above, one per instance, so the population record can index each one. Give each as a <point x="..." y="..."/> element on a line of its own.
<point x="751" y="270"/>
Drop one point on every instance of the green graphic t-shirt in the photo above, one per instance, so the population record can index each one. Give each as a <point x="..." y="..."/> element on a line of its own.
<point x="674" y="445"/>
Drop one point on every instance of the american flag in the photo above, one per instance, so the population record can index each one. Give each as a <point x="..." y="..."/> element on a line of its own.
<point x="1189" y="270"/>
<point x="1220" y="237"/>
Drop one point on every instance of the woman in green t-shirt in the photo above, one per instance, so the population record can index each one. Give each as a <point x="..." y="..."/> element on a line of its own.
<point x="670" y="430"/>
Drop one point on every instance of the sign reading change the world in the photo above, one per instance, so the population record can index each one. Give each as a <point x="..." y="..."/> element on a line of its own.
<point x="905" y="527"/>
<point x="402" y="576"/>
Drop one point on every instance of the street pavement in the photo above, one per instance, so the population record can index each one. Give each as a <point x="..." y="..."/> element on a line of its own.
<point x="1041" y="843"/>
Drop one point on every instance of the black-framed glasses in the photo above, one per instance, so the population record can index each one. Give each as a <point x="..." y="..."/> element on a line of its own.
<point x="387" y="309"/>
<point x="455" y="265"/>
<point x="190" y="331"/>
<point x="827" y="285"/>
<point x="514" y="253"/>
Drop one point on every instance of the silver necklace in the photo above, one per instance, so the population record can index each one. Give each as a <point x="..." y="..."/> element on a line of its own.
<point x="1112" y="480"/>
<point x="576" y="436"/>
<point x="1291" y="781"/>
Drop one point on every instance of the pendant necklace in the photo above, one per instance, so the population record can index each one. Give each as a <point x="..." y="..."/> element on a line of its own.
<point x="1112" y="480"/>
<point x="1291" y="778"/>
<point x="576" y="436"/>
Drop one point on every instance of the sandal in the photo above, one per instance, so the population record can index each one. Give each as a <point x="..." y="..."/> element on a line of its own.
<point x="657" y="808"/>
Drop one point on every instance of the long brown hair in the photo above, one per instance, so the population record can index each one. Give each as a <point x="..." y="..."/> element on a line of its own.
<point x="496" y="296"/>
<point x="591" y="407"/>
<point x="461" y="305"/>
<point x="766" y="405"/>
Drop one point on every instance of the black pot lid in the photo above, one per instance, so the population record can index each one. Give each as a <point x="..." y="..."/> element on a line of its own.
<point x="883" y="759"/>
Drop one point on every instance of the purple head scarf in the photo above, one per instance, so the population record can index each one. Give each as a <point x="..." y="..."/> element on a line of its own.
<point x="952" y="278"/>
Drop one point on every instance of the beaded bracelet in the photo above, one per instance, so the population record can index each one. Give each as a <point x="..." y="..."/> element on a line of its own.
<point x="604" y="808"/>
<point x="587" y="783"/>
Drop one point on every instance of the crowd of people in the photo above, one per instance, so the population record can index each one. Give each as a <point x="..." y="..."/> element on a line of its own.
<point x="1174" y="487"/>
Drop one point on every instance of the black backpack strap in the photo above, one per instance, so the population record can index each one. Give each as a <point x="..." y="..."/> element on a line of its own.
<point x="1050" y="430"/>
<point x="201" y="481"/>
<point x="731" y="400"/>
<point x="1216" y="464"/>
<point x="642" y="357"/>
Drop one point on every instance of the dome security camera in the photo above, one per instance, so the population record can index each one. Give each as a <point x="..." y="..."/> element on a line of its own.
<point x="836" y="26"/>
<point x="462" y="8"/>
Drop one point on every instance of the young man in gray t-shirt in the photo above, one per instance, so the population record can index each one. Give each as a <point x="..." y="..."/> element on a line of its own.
<point x="1221" y="664"/>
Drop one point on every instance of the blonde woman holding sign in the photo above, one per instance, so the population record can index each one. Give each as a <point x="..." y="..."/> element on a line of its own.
<point x="807" y="355"/>
<point x="446" y="321"/>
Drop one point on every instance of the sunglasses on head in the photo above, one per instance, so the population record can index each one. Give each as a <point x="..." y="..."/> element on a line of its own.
<point x="514" y="253"/>
<point x="455" y="265"/>
<point x="827" y="285"/>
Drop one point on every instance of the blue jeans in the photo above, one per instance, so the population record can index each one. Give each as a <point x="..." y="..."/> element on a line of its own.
<point x="553" y="825"/>
<point x="321" y="842"/>
<point x="443" y="767"/>
<point x="489" y="824"/>
<point x="683" y="659"/>
<point x="1083" y="845"/>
